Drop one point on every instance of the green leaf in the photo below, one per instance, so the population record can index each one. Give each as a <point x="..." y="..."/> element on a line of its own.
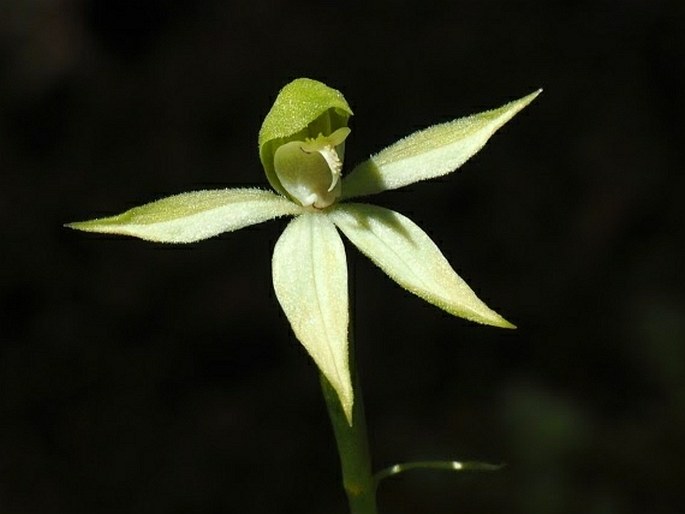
<point x="310" y="280"/>
<point x="429" y="153"/>
<point x="189" y="217"/>
<point x="443" y="465"/>
<point x="408" y="256"/>
<point x="303" y="109"/>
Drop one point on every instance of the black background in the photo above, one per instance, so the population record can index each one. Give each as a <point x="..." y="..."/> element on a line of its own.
<point x="144" y="378"/>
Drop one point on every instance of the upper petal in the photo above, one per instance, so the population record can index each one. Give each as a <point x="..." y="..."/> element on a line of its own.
<point x="429" y="153"/>
<point x="409" y="256"/>
<point x="310" y="280"/>
<point x="303" y="108"/>
<point x="189" y="217"/>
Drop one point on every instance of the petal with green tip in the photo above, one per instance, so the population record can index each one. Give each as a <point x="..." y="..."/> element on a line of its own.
<point x="310" y="279"/>
<point x="194" y="216"/>
<point x="411" y="258"/>
<point x="429" y="153"/>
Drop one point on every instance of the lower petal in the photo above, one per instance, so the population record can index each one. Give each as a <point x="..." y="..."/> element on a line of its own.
<point x="411" y="258"/>
<point x="310" y="279"/>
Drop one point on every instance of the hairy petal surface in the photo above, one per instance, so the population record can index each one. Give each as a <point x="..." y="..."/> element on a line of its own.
<point x="310" y="279"/>
<point x="410" y="257"/>
<point x="194" y="216"/>
<point x="429" y="153"/>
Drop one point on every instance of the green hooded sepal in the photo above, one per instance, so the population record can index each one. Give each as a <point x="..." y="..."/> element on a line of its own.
<point x="304" y="109"/>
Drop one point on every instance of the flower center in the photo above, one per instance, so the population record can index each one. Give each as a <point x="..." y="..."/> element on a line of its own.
<point x="310" y="170"/>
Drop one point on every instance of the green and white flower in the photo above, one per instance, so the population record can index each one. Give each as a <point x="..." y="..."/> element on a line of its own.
<point x="301" y="146"/>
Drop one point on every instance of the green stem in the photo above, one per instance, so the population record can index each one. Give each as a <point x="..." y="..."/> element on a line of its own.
<point x="353" y="447"/>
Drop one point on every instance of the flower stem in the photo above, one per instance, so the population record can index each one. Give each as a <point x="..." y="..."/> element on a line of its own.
<point x="353" y="447"/>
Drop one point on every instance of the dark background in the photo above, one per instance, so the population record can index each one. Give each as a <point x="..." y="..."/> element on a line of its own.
<point x="142" y="378"/>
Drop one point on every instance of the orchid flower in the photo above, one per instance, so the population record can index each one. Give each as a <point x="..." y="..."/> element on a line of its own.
<point x="301" y="146"/>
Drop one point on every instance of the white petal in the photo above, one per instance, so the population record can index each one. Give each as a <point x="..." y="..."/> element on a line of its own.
<point x="429" y="153"/>
<point x="189" y="217"/>
<point x="305" y="175"/>
<point x="310" y="280"/>
<point x="406" y="253"/>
